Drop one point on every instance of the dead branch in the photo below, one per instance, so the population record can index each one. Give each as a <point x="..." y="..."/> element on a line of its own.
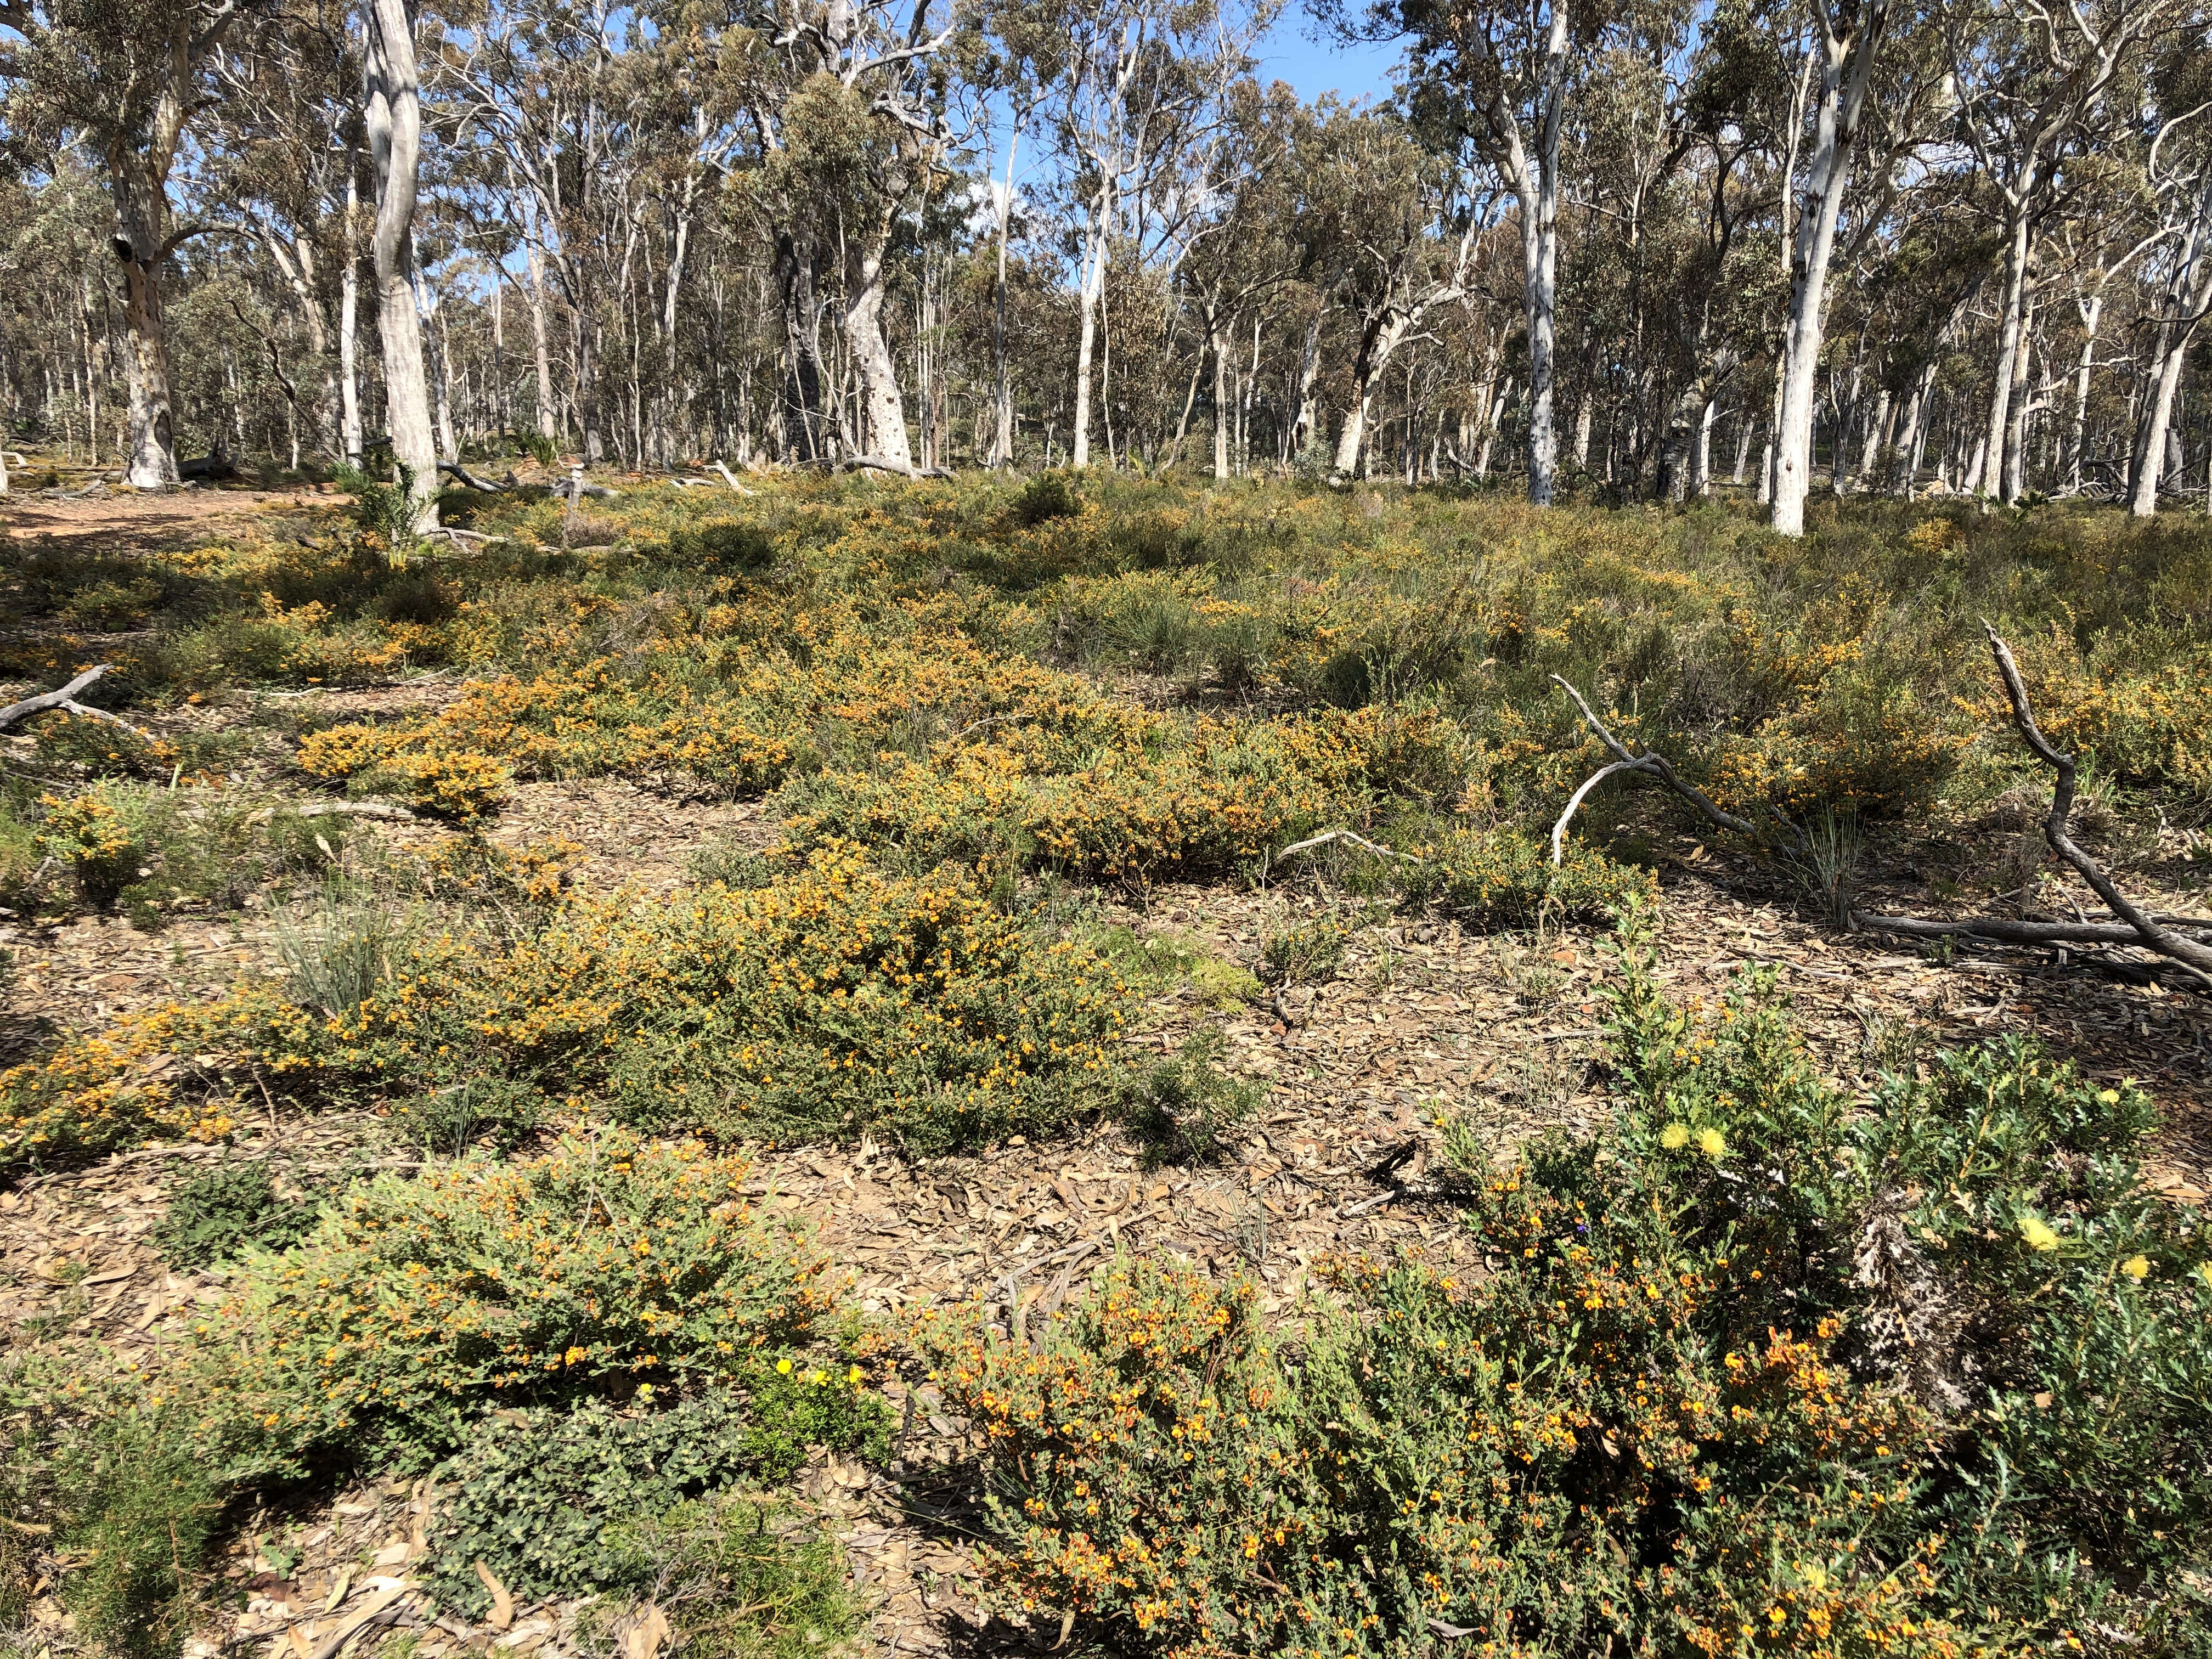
<point x="1650" y="761"/>
<point x="1327" y="835"/>
<point x="470" y="479"/>
<point x="45" y="700"/>
<point x="1559" y="829"/>
<point x="2148" y="932"/>
<point x="729" y="478"/>
<point x="879" y="464"/>
<point x="353" y="809"/>
<point x="2003" y="928"/>
<point x="70" y="706"/>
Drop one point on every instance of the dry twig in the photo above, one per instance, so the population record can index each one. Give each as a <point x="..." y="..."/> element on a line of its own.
<point x="1327" y="835"/>
<point x="65" y="699"/>
<point x="1650" y="761"/>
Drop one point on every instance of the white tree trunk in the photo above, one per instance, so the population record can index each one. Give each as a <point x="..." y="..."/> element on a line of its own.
<point x="1092" y="291"/>
<point x="1217" y="342"/>
<point x="1540" y="258"/>
<point x="395" y="139"/>
<point x="883" y="408"/>
<point x="2077" y="443"/>
<point x="142" y="216"/>
<point x="1991" y="481"/>
<point x="1002" y="446"/>
<point x="350" y="437"/>
<point x="1845" y="64"/>
<point x="1309" y="417"/>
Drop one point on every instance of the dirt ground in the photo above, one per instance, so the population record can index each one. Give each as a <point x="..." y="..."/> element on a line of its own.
<point x="1422" y="1021"/>
<point x="118" y="520"/>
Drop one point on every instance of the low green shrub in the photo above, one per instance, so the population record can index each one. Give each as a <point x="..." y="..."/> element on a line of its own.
<point x="750" y="1579"/>
<point x="1304" y="953"/>
<point x="1179" y="1106"/>
<point x="552" y="1498"/>
<point x="742" y="548"/>
<point x="1048" y="495"/>
<point x="151" y="852"/>
<point x="609" y="1269"/>
<point x="217" y="1214"/>
<point x="116" y="1488"/>
<point x="1503" y="878"/>
<point x="834" y="1002"/>
<point x="1756" y="1373"/>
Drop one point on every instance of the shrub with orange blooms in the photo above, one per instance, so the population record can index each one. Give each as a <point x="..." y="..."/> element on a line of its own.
<point x="834" y="1001"/>
<point x="1750" y="1374"/>
<point x="1165" y="800"/>
<point x="611" y="1268"/>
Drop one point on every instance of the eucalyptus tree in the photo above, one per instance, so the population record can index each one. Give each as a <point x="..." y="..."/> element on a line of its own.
<point x="122" y="79"/>
<point x="392" y="117"/>
<point x="1139" y="84"/>
<point x="1399" y="232"/>
<point x="283" y="164"/>
<point x="1239" y="243"/>
<point x="2034" y="83"/>
<point x="2179" y="168"/>
<point x="1499" y="74"/>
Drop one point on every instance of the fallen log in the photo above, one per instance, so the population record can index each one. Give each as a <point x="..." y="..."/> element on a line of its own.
<point x="65" y="699"/>
<point x="45" y="700"/>
<point x="471" y="480"/>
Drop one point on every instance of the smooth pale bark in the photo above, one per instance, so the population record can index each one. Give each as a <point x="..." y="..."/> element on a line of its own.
<point x="2019" y="230"/>
<point x="2015" y="449"/>
<point x="2188" y="292"/>
<point x="1505" y="395"/>
<point x="349" y="434"/>
<point x="1845" y="66"/>
<point x="1093" y="289"/>
<point x="296" y="265"/>
<point x="395" y="141"/>
<point x="548" y="419"/>
<point x="1217" y="344"/>
<point x="1002" y="445"/>
<point x="1379" y="340"/>
<point x="882" y="410"/>
<point x="139" y="158"/>
<point x="1907" y="465"/>
<point x="1308" y="418"/>
<point x="142" y="213"/>
<point x="1881" y="432"/>
<point x="2077" y="443"/>
<point x="437" y="362"/>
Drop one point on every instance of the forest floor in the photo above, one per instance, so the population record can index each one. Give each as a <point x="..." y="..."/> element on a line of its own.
<point x="1422" y="1020"/>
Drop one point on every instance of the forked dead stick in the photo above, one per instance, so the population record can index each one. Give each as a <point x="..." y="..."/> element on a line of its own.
<point x="2152" y="936"/>
<point x="1649" y="762"/>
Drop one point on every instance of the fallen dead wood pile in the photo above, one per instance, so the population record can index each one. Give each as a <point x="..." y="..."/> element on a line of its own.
<point x="2186" y="941"/>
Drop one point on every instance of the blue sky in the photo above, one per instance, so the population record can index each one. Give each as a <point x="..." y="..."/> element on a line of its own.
<point x="1289" y="52"/>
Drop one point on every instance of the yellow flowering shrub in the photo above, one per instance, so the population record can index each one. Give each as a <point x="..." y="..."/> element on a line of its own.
<point x="837" y="1001"/>
<point x="95" y="838"/>
<point x="2152" y="728"/>
<point x="1166" y="800"/>
<point x="610" y="1267"/>
<point x="1671" y="1407"/>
